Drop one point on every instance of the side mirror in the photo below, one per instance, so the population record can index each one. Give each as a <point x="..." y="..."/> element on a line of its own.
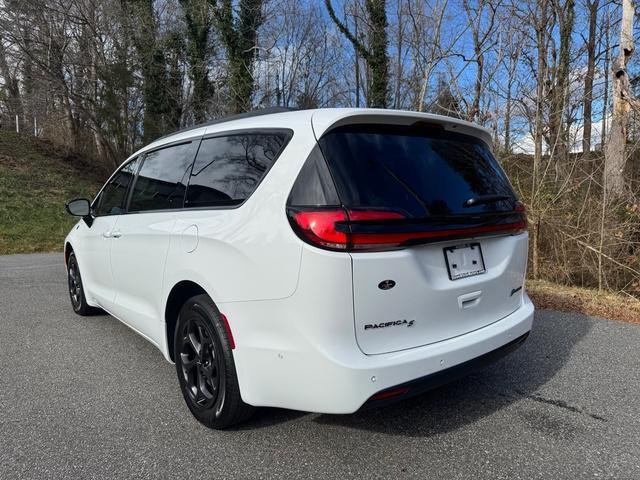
<point x="80" y="207"/>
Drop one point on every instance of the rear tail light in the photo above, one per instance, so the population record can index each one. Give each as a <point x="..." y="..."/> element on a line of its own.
<point x="331" y="228"/>
<point x="521" y="209"/>
<point x="319" y="227"/>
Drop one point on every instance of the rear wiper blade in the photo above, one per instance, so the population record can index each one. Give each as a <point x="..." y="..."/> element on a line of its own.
<point x="484" y="199"/>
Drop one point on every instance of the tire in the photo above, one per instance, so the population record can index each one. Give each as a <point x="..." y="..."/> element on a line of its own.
<point x="76" y="289"/>
<point x="205" y="367"/>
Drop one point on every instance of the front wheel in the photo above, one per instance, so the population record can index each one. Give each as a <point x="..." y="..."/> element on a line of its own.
<point x="205" y="366"/>
<point x="76" y="289"/>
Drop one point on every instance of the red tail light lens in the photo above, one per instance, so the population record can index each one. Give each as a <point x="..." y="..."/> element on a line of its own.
<point x="363" y="241"/>
<point x="521" y="209"/>
<point x="331" y="228"/>
<point x="319" y="227"/>
<point x="356" y="215"/>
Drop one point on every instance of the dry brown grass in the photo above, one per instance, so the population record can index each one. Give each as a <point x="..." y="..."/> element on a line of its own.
<point x="613" y="306"/>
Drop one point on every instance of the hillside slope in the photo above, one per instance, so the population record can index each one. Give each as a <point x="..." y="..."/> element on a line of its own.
<point x="36" y="179"/>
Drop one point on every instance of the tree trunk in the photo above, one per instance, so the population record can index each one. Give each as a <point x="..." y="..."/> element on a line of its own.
<point x="378" y="61"/>
<point x="196" y="14"/>
<point x="14" y="100"/>
<point x="239" y="35"/>
<point x="558" y="130"/>
<point x="605" y="100"/>
<point x="615" y="150"/>
<point x="357" y="63"/>
<point x="143" y="32"/>
<point x="507" y="122"/>
<point x="588" y="79"/>
<point x="375" y="54"/>
<point x="541" y="24"/>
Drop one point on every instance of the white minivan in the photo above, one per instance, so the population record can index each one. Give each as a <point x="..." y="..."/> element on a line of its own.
<point x="317" y="260"/>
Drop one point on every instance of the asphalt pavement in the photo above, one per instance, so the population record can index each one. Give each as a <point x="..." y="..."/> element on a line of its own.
<point x="88" y="398"/>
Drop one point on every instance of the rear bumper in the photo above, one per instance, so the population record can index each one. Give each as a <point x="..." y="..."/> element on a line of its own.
<point x="437" y="379"/>
<point x="329" y="374"/>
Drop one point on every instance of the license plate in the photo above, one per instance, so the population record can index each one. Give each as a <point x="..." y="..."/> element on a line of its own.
<point x="464" y="261"/>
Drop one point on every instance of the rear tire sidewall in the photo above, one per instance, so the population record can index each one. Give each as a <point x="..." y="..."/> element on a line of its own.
<point x="81" y="307"/>
<point x="228" y="408"/>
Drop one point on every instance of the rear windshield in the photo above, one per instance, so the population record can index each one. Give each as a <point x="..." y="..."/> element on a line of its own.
<point x="415" y="170"/>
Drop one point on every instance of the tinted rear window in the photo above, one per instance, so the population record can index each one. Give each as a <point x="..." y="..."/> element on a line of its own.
<point x="413" y="170"/>
<point x="228" y="169"/>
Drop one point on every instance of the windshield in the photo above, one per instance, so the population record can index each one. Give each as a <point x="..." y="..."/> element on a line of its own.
<point x="415" y="170"/>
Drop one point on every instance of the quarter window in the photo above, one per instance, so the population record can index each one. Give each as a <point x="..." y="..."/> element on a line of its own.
<point x="113" y="197"/>
<point x="162" y="178"/>
<point x="228" y="169"/>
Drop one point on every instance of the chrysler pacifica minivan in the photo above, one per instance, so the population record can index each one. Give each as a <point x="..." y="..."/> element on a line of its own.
<point x="319" y="260"/>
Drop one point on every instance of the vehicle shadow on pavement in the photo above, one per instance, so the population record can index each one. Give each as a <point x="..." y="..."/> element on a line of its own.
<point x="482" y="393"/>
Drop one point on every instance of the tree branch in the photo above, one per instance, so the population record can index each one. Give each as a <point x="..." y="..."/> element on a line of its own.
<point x="366" y="54"/>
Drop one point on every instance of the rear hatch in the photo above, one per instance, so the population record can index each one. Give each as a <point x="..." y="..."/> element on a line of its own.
<point x="434" y="229"/>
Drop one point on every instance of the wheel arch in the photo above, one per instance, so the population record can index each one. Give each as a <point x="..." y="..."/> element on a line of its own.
<point x="67" y="251"/>
<point x="179" y="294"/>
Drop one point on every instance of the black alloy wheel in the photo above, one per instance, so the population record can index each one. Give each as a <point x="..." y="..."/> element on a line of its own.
<point x="200" y="359"/>
<point x="205" y="366"/>
<point x="76" y="289"/>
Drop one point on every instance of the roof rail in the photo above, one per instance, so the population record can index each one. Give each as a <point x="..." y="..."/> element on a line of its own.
<point x="229" y="118"/>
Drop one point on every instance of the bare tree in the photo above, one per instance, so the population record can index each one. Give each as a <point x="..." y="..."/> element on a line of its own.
<point x="564" y="11"/>
<point x="615" y="149"/>
<point x="375" y="54"/>
<point x="475" y="15"/>
<point x="592" y="7"/>
<point x="239" y="33"/>
<point x="197" y="17"/>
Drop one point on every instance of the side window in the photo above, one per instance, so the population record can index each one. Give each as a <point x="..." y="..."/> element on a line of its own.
<point x="113" y="197"/>
<point x="162" y="179"/>
<point x="228" y="169"/>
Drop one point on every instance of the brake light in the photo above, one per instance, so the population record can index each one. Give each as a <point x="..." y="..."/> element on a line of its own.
<point x="319" y="227"/>
<point x="371" y="240"/>
<point x="331" y="228"/>
<point x="356" y="215"/>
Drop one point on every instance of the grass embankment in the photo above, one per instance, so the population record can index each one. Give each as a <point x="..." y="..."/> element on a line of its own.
<point x="546" y="295"/>
<point x="36" y="179"/>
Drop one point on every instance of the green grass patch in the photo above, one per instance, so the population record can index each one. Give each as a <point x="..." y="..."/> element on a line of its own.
<point x="36" y="179"/>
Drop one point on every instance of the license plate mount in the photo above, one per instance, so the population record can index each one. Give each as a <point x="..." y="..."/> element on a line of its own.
<point x="464" y="260"/>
